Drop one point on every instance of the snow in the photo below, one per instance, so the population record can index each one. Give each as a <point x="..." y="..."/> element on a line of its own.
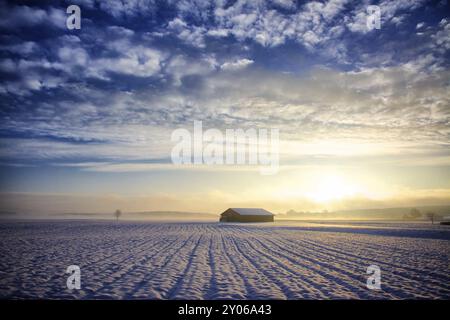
<point x="252" y="212"/>
<point x="283" y="260"/>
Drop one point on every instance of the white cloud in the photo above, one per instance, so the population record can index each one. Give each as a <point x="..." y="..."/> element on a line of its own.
<point x="137" y="60"/>
<point x="25" y="16"/>
<point x="286" y="4"/>
<point x="406" y="104"/>
<point x="192" y="35"/>
<point x="129" y="8"/>
<point x="180" y="66"/>
<point x="76" y="56"/>
<point x="24" y="48"/>
<point x="391" y="12"/>
<point x="400" y="101"/>
<point x="256" y="20"/>
<point x="237" y="64"/>
<point x="130" y="59"/>
<point x="358" y="23"/>
<point x="442" y="37"/>
<point x="217" y="33"/>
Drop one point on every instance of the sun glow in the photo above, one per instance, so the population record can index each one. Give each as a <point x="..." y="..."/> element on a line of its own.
<point x="332" y="187"/>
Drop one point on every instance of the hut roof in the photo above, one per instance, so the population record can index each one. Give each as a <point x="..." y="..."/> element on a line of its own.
<point x="252" y="211"/>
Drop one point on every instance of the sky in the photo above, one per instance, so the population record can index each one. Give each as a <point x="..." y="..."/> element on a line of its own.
<point x="86" y="115"/>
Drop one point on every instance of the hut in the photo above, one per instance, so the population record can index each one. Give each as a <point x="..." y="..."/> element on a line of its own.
<point x="445" y="221"/>
<point x="246" y="215"/>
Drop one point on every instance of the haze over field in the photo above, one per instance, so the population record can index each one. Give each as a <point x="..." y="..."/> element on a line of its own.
<point x="402" y="215"/>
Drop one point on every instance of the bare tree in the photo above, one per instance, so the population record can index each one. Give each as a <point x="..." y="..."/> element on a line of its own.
<point x="431" y="216"/>
<point x="117" y="214"/>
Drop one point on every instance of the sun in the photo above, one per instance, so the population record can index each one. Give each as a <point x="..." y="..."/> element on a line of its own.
<point x="332" y="187"/>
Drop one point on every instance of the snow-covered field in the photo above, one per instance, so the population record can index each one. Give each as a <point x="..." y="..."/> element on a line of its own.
<point x="283" y="260"/>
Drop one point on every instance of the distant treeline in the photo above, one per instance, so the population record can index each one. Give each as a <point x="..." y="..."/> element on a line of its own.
<point x="406" y="213"/>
